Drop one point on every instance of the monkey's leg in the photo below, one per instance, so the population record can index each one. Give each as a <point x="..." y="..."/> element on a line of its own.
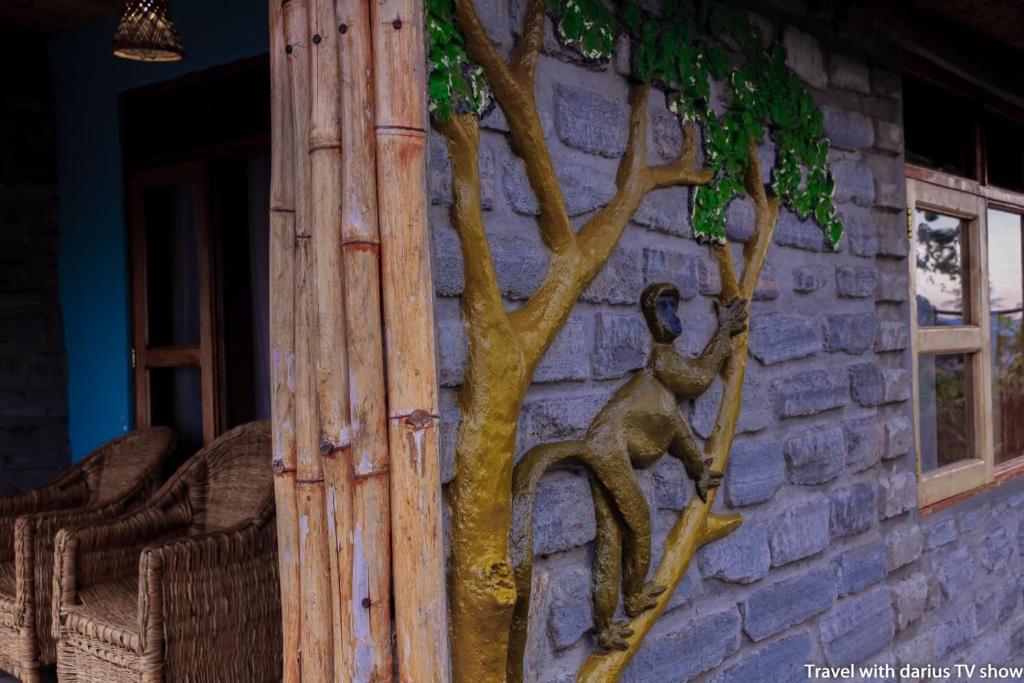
<point x="684" y="447"/>
<point x="611" y="634"/>
<point x="616" y="476"/>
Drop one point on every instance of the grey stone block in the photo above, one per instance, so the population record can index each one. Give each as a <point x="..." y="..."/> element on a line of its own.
<point x="954" y="572"/>
<point x="740" y="557"/>
<point x="854" y="509"/>
<point x="556" y="418"/>
<point x="755" y="412"/>
<point x="847" y="73"/>
<point x="899" y="437"/>
<point x="860" y="231"/>
<point x="777" y="337"/>
<point x="809" y="393"/>
<point x="953" y="634"/>
<point x="563" y="516"/>
<point x="893" y="284"/>
<point x="781" y="661"/>
<point x="899" y="493"/>
<point x="864" y="442"/>
<point x="854" y="183"/>
<point x="756" y="470"/>
<point x="886" y="83"/>
<point x="807" y="279"/>
<point x="672" y="487"/>
<point x="803" y="55"/>
<point x="682" y="270"/>
<point x="707" y="641"/>
<point x="816" y="456"/>
<point x="852" y="333"/>
<point x="888" y="137"/>
<point x="590" y="122"/>
<point x="621" y="344"/>
<point x="584" y="188"/>
<point x="800" y="234"/>
<point x="996" y="606"/>
<point x="740" y="218"/>
<point x="620" y="281"/>
<point x="892" y="336"/>
<point x="566" y="358"/>
<point x="800" y="531"/>
<point x="973" y="519"/>
<point x="571" y="611"/>
<point x="872" y="386"/>
<point x="858" y="627"/>
<point x="855" y="282"/>
<point x="995" y="550"/>
<point x="668" y="136"/>
<point x="774" y="607"/>
<point x="909" y="599"/>
<point x="860" y="567"/>
<point x="666" y="210"/>
<point x="892" y="233"/>
<point x="942" y="533"/>
<point x="848" y="129"/>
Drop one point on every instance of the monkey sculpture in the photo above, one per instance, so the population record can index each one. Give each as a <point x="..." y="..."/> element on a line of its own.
<point x="640" y="422"/>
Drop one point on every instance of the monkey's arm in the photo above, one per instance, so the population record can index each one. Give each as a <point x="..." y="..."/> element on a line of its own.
<point x="691" y="377"/>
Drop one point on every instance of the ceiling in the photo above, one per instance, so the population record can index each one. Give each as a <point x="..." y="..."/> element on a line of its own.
<point x="1000" y="20"/>
<point x="55" y="15"/>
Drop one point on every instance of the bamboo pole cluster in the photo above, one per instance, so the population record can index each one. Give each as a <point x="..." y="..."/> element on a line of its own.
<point x="348" y="186"/>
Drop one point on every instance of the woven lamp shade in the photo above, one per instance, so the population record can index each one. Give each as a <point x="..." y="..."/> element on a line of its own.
<point x="146" y="33"/>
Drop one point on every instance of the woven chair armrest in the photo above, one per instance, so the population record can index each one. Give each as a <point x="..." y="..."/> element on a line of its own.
<point x="35" y="535"/>
<point x="11" y="507"/>
<point x="86" y="555"/>
<point x="228" y="578"/>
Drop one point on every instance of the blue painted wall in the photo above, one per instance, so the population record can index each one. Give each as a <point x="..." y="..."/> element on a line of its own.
<point x="88" y="82"/>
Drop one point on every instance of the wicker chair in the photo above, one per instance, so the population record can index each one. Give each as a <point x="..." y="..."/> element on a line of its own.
<point x="186" y="587"/>
<point x="116" y="476"/>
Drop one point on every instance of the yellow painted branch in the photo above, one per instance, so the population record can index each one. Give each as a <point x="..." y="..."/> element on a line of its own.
<point x="697" y="525"/>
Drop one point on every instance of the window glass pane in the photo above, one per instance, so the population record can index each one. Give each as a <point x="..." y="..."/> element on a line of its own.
<point x="176" y="400"/>
<point x="1004" y="151"/>
<point x="942" y="279"/>
<point x="945" y="390"/>
<point x="939" y="128"/>
<point x="172" y="265"/>
<point x="1006" y="298"/>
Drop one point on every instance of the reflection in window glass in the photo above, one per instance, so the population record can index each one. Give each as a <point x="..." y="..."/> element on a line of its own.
<point x="1006" y="299"/>
<point x="944" y="383"/>
<point x="941" y="270"/>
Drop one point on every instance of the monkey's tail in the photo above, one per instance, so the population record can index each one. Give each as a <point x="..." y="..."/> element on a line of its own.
<point x="525" y="480"/>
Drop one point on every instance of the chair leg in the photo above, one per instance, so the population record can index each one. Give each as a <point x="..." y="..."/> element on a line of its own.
<point x="29" y="655"/>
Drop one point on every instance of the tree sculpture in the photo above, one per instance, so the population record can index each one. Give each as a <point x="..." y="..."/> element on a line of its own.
<point x="679" y="50"/>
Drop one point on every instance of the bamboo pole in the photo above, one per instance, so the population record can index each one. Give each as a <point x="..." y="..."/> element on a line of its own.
<point x="314" y="560"/>
<point x="332" y="362"/>
<point x="282" y="336"/>
<point x="408" y="294"/>
<point x="370" y="635"/>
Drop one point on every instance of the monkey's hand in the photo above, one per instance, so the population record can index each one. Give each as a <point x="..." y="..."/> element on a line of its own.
<point x="709" y="479"/>
<point x="643" y="600"/>
<point x="732" y="317"/>
<point x="614" y="635"/>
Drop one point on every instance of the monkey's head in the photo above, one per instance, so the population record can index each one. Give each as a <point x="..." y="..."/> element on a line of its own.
<point x="659" y="303"/>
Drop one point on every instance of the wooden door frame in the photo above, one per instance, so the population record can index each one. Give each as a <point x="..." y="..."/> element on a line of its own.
<point x="203" y="356"/>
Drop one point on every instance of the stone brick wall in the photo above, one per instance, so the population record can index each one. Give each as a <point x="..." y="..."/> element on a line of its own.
<point x="33" y="373"/>
<point x="833" y="564"/>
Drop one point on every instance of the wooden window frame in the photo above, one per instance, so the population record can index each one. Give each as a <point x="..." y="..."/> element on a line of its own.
<point x="146" y="357"/>
<point x="970" y="201"/>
